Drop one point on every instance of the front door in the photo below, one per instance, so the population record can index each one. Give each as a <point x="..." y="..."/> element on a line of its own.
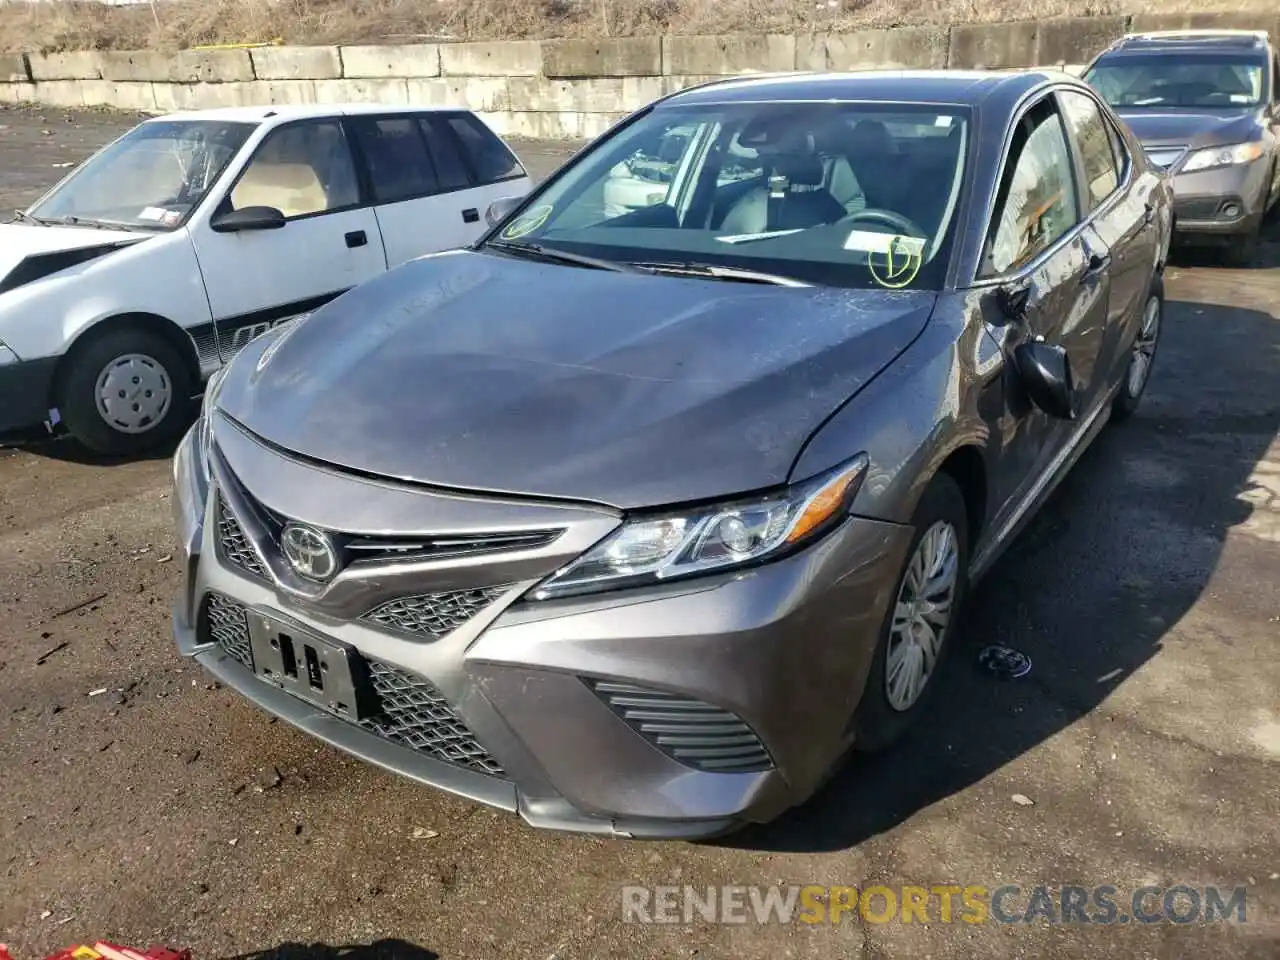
<point x="1038" y="247"/>
<point x="329" y="243"/>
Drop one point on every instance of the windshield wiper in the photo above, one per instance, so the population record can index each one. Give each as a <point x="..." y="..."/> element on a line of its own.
<point x="24" y="217"/>
<point x="711" y="271"/>
<point x="550" y="253"/>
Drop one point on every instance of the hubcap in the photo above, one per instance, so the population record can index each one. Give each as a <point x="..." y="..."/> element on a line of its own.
<point x="921" y="615"/>
<point x="134" y="393"/>
<point x="1144" y="348"/>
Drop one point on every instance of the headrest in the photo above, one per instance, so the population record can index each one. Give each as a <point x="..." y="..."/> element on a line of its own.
<point x="871" y="137"/>
<point x="800" y="170"/>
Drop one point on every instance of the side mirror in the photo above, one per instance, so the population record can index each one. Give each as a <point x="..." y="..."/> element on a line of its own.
<point x="500" y="209"/>
<point x="247" y="218"/>
<point x="1013" y="302"/>
<point x="1045" y="372"/>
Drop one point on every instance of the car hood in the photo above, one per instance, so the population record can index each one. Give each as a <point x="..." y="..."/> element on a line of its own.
<point x="481" y="372"/>
<point x="1197" y="128"/>
<point x="30" y="251"/>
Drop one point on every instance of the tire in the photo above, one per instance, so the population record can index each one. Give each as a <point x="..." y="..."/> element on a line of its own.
<point x="1127" y="400"/>
<point x="136" y="362"/>
<point x="878" y="721"/>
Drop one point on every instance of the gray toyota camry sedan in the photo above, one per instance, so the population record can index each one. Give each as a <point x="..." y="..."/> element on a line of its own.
<point x="637" y="516"/>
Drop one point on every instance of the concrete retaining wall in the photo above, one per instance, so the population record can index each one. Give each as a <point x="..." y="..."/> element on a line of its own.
<point x="550" y="88"/>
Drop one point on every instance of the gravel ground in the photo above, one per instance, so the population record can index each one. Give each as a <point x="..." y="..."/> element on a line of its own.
<point x="1147" y="736"/>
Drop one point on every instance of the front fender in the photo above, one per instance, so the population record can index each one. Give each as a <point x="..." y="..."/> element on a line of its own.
<point x="942" y="393"/>
<point x="157" y="276"/>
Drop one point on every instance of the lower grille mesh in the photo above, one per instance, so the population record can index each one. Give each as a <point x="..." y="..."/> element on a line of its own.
<point x="411" y="711"/>
<point x="692" y="732"/>
<point x="435" y="614"/>
<point x="229" y="628"/>
<point x="415" y="714"/>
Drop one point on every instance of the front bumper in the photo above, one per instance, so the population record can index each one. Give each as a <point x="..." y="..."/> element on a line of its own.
<point x="1225" y="202"/>
<point x="784" y="648"/>
<point x="26" y="388"/>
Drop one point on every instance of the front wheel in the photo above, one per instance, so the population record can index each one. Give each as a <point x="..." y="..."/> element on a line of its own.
<point x="124" y="392"/>
<point x="1142" y="355"/>
<point x="915" y="635"/>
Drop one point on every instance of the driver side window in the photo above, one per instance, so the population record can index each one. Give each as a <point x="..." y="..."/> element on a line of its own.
<point x="1037" y="203"/>
<point x="302" y="169"/>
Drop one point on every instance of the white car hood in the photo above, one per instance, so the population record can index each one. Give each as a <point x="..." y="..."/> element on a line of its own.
<point x="21" y="241"/>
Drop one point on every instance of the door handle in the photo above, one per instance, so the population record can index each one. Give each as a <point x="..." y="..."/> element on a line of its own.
<point x="470" y="215"/>
<point x="1097" y="263"/>
<point x="356" y="238"/>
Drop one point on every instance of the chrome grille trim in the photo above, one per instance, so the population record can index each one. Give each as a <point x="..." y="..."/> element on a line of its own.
<point x="228" y="627"/>
<point x="697" y="734"/>
<point x="433" y="615"/>
<point x="234" y="544"/>
<point x="1164" y="157"/>
<point x="415" y="714"/>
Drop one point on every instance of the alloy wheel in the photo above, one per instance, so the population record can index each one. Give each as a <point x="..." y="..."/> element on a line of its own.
<point x="921" y="614"/>
<point x="134" y="392"/>
<point x="1144" y="348"/>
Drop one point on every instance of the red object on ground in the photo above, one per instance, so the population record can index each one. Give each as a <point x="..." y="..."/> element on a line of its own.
<point x="102" y="950"/>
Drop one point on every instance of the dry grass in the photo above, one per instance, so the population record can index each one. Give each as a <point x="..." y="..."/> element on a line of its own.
<point x="175" y="24"/>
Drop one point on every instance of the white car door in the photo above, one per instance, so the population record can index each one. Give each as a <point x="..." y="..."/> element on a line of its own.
<point x="434" y="175"/>
<point x="316" y="238"/>
<point x="416" y="213"/>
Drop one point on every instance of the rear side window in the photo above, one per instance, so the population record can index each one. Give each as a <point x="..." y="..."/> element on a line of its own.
<point x="489" y="156"/>
<point x="1037" y="200"/>
<point x="451" y="169"/>
<point x="399" y="166"/>
<point x="1097" y="153"/>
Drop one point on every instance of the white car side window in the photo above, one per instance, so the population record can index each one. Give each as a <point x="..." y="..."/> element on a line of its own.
<point x="301" y="170"/>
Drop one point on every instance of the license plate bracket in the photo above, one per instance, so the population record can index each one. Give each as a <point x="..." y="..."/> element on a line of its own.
<point x="322" y="671"/>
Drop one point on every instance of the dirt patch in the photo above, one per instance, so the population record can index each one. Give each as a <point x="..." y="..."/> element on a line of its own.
<point x="182" y="23"/>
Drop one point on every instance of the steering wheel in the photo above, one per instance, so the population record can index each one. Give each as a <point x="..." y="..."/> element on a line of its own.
<point x="889" y="218"/>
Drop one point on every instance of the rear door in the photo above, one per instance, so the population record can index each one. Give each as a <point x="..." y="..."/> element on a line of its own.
<point x="329" y="243"/>
<point x="417" y="214"/>
<point x="435" y="174"/>
<point x="1122" y="211"/>
<point x="1038" y="244"/>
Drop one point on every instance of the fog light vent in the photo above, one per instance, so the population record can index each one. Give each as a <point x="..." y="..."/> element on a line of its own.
<point x="697" y="734"/>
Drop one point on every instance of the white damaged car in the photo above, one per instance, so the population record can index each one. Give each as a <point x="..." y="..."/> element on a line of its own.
<point x="130" y="282"/>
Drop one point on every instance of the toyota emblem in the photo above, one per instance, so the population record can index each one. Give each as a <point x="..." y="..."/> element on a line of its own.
<point x="309" y="552"/>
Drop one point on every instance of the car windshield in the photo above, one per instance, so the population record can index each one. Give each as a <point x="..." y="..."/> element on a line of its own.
<point x="151" y="178"/>
<point x="1179" y="81"/>
<point x="830" y="194"/>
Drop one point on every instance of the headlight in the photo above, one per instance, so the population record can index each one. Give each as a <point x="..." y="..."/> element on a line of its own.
<point x="1213" y="157"/>
<point x="206" y="418"/>
<point x="670" y="546"/>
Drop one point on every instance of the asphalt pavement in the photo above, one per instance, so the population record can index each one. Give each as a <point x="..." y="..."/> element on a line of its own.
<point x="140" y="803"/>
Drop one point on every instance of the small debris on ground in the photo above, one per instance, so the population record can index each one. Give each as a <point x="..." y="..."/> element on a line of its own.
<point x="1022" y="800"/>
<point x="422" y="833"/>
<point x="1004" y="663"/>
<point x="165" y="559"/>
<point x="97" y="693"/>
<point x="78" y="606"/>
<point x="192" y="757"/>
<point x="50" y="652"/>
<point x="270" y="781"/>
<point x="46" y="914"/>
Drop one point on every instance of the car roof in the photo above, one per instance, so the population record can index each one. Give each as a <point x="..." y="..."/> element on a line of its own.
<point x="1190" y="42"/>
<point x="962" y="87"/>
<point x="280" y="113"/>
